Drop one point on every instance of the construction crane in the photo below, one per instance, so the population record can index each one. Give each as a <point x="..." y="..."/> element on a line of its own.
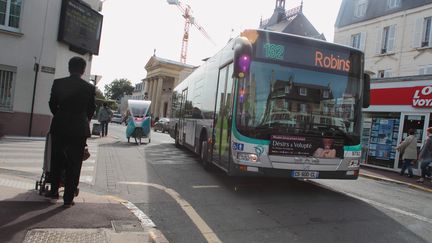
<point x="189" y="20"/>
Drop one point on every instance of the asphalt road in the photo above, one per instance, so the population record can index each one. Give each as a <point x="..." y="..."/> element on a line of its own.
<point x="189" y="204"/>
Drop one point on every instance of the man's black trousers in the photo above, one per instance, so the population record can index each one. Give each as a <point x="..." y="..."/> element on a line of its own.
<point x="67" y="156"/>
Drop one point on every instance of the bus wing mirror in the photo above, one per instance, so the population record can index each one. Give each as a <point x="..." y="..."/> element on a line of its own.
<point x="366" y="90"/>
<point x="242" y="57"/>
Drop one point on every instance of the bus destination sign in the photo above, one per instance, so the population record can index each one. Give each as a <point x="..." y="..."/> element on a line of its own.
<point x="310" y="56"/>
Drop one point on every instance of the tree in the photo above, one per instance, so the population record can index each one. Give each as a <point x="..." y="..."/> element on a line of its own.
<point x="118" y="88"/>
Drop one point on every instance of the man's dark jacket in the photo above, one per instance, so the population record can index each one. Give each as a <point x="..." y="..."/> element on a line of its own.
<point x="72" y="103"/>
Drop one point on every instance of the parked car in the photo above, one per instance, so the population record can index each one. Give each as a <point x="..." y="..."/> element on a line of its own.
<point x="117" y="118"/>
<point x="162" y="125"/>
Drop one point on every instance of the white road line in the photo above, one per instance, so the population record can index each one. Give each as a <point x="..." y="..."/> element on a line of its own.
<point x="205" y="186"/>
<point x="86" y="179"/>
<point x="22" y="161"/>
<point x="202" y="226"/>
<point x="378" y="204"/>
<point x="35" y="169"/>
<point x="16" y="184"/>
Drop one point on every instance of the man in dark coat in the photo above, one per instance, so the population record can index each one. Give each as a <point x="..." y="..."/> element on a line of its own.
<point x="72" y="103"/>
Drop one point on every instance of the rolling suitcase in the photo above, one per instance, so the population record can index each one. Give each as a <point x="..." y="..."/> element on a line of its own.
<point x="41" y="184"/>
<point x="96" y="129"/>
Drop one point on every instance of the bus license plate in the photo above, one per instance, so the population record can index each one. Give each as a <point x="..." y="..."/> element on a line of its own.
<point x="305" y="174"/>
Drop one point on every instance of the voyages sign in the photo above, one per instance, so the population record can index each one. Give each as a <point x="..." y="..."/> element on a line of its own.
<point x="423" y="97"/>
<point x="417" y="96"/>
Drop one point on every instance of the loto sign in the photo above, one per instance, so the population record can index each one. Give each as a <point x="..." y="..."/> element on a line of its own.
<point x="422" y="97"/>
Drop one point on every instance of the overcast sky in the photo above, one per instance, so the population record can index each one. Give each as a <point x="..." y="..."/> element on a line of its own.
<point x="133" y="29"/>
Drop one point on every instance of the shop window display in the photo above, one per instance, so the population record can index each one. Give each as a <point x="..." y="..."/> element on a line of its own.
<point x="383" y="135"/>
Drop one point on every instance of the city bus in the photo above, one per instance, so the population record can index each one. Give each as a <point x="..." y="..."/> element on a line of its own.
<point x="275" y="104"/>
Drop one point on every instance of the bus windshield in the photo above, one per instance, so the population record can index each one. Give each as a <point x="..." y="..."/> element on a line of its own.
<point x="277" y="98"/>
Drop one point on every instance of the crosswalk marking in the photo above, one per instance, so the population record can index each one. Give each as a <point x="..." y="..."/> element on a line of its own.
<point x="17" y="184"/>
<point x="28" y="156"/>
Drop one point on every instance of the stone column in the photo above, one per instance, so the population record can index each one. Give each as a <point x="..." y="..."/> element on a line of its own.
<point x="146" y="87"/>
<point x="159" y="96"/>
<point x="154" y="97"/>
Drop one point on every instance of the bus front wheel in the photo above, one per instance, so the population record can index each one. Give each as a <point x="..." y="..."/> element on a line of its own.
<point x="204" y="155"/>
<point x="177" y="143"/>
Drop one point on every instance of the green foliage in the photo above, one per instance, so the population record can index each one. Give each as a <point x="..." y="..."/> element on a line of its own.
<point x="118" y="88"/>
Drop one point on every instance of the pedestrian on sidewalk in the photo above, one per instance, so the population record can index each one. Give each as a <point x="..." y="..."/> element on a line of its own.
<point x="425" y="156"/>
<point x="104" y="117"/>
<point x="72" y="103"/>
<point x="408" y="150"/>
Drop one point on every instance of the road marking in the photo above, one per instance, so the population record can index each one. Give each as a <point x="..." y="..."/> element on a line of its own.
<point x="397" y="210"/>
<point x="86" y="179"/>
<point x="19" y="184"/>
<point x="378" y="204"/>
<point x="202" y="226"/>
<point x="205" y="186"/>
<point x="143" y="218"/>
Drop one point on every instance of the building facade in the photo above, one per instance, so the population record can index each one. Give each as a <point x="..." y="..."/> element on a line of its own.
<point x="139" y="92"/>
<point x="396" y="37"/>
<point x="31" y="58"/>
<point x="162" y="76"/>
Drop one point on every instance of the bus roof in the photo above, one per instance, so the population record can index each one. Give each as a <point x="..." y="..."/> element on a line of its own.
<point x="301" y="37"/>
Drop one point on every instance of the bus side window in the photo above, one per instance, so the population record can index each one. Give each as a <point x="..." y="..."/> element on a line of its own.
<point x="196" y="113"/>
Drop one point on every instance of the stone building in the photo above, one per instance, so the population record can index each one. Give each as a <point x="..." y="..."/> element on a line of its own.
<point x="162" y="76"/>
<point x="396" y="38"/>
<point x="36" y="43"/>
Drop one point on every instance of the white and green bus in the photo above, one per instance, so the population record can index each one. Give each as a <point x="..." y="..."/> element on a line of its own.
<point x="275" y="104"/>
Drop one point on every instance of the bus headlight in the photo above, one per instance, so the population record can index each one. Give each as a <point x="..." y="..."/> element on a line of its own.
<point x="247" y="157"/>
<point x="354" y="163"/>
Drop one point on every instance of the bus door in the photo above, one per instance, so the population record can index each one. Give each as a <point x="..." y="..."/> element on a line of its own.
<point x="181" y="123"/>
<point x="223" y="111"/>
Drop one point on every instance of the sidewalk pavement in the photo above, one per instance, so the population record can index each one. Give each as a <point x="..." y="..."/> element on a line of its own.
<point x="27" y="216"/>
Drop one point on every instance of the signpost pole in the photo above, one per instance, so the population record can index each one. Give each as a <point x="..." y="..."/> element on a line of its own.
<point x="36" y="69"/>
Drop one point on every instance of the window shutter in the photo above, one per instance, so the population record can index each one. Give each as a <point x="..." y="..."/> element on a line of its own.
<point x="430" y="34"/>
<point x="416" y="38"/>
<point x="391" y="39"/>
<point x="387" y="73"/>
<point x="363" y="41"/>
<point x="350" y="41"/>
<point x="378" y="40"/>
<point x="422" y="70"/>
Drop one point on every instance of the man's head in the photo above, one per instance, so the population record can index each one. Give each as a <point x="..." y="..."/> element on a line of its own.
<point x="411" y="131"/>
<point x="429" y="130"/>
<point x="77" y="65"/>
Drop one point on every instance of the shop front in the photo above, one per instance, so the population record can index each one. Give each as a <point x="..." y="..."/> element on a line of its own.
<point x="397" y="104"/>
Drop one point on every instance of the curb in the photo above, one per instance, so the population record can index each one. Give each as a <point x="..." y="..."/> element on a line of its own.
<point x="155" y="235"/>
<point x="23" y="138"/>
<point x="410" y="185"/>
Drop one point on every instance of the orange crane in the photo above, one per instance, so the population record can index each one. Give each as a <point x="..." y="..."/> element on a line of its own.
<point x="189" y="20"/>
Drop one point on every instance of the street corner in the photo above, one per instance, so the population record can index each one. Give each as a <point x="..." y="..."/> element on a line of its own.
<point x="154" y="235"/>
